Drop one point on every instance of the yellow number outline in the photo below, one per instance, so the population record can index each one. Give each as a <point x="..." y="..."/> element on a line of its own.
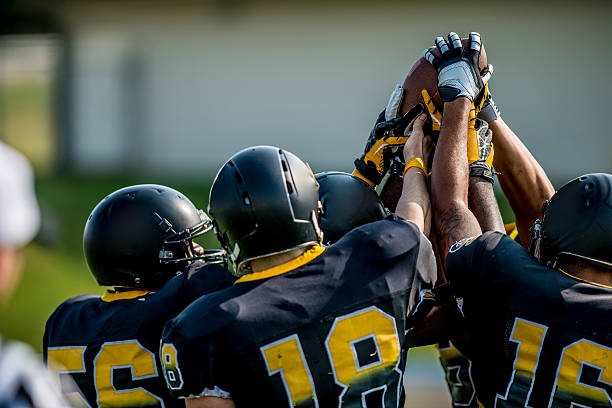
<point x="175" y="367"/>
<point x="295" y="366"/>
<point x="359" y="369"/>
<point x="59" y="367"/>
<point x="447" y="354"/>
<point x="291" y="392"/>
<point x="122" y="393"/>
<point x="566" y="360"/>
<point x="523" y="347"/>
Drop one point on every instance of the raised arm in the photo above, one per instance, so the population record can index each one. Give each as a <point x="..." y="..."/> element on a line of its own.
<point x="414" y="203"/>
<point x="459" y="82"/>
<point x="481" y="198"/>
<point x="387" y="136"/>
<point x="521" y="177"/>
<point x="449" y="185"/>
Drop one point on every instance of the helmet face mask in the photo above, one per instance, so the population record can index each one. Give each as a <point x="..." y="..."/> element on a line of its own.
<point x="141" y="236"/>
<point x="182" y="243"/>
<point x="577" y="223"/>
<point x="264" y="201"/>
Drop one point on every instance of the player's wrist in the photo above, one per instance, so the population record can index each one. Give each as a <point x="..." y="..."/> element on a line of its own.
<point x="461" y="102"/>
<point x="415" y="163"/>
<point x="481" y="170"/>
<point x="496" y="125"/>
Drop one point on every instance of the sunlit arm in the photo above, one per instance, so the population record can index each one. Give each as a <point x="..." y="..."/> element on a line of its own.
<point x="449" y="185"/>
<point x="522" y="179"/>
<point x="414" y="203"/>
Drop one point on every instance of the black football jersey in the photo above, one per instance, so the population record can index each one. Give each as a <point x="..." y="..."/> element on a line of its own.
<point x="109" y="344"/>
<point x="326" y="329"/>
<point x="544" y="337"/>
<point x="458" y="374"/>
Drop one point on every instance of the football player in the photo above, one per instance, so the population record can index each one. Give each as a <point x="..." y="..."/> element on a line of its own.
<point x="305" y="325"/>
<point x="527" y="187"/>
<point x="386" y="130"/>
<point x="539" y="323"/>
<point x="136" y="240"/>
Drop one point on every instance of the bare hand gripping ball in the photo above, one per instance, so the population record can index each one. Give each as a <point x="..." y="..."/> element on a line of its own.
<point x="423" y="75"/>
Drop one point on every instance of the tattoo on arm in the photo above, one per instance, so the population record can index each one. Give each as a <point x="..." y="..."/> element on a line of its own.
<point x="453" y="224"/>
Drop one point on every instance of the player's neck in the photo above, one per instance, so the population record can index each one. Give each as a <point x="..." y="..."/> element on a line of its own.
<point x="588" y="272"/>
<point x="258" y="265"/>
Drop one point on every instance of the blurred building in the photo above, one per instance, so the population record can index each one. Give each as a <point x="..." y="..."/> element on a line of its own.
<point x="180" y="86"/>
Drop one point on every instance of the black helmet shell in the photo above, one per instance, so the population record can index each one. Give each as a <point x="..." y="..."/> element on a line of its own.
<point x="578" y="220"/>
<point x="264" y="201"/>
<point x="347" y="202"/>
<point x="127" y="230"/>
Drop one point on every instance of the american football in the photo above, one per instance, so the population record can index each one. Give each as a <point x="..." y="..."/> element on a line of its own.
<point x="423" y="75"/>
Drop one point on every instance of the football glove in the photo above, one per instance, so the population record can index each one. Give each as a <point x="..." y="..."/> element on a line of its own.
<point x="480" y="147"/>
<point x="489" y="111"/>
<point x="387" y="135"/>
<point x="436" y="115"/>
<point x="458" y="72"/>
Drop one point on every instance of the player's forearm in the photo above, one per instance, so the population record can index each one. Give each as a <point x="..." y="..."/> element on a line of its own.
<point x="482" y="203"/>
<point x="450" y="169"/>
<point x="522" y="179"/>
<point x="452" y="218"/>
<point x="414" y="203"/>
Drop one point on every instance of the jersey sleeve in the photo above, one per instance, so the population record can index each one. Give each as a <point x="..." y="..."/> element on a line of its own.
<point x="474" y="261"/>
<point x="192" y="353"/>
<point x="397" y="244"/>
<point x="196" y="280"/>
<point x="425" y="275"/>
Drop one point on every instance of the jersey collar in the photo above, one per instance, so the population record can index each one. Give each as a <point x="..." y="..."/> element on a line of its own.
<point x="128" y="294"/>
<point x="295" y="263"/>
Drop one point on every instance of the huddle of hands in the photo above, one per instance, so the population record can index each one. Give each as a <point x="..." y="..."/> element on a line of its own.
<point x="410" y="139"/>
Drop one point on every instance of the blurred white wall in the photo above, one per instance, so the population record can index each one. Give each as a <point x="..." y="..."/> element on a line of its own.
<point x="180" y="86"/>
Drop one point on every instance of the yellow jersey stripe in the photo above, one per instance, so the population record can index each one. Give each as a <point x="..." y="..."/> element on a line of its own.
<point x="129" y="294"/>
<point x="295" y="263"/>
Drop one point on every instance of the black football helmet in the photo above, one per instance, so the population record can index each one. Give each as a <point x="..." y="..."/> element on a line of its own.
<point x="141" y="236"/>
<point x="264" y="201"/>
<point x="347" y="202"/>
<point x="577" y="222"/>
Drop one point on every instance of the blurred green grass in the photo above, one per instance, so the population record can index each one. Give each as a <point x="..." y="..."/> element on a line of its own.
<point x="27" y="108"/>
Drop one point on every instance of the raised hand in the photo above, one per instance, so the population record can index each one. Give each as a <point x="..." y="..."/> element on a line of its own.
<point x="387" y="134"/>
<point x="458" y="73"/>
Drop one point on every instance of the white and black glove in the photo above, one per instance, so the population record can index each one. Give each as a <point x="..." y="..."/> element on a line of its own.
<point x="480" y="149"/>
<point x="458" y="73"/>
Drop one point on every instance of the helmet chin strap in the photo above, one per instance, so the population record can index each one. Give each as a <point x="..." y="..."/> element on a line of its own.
<point x="316" y="226"/>
<point x="535" y="242"/>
